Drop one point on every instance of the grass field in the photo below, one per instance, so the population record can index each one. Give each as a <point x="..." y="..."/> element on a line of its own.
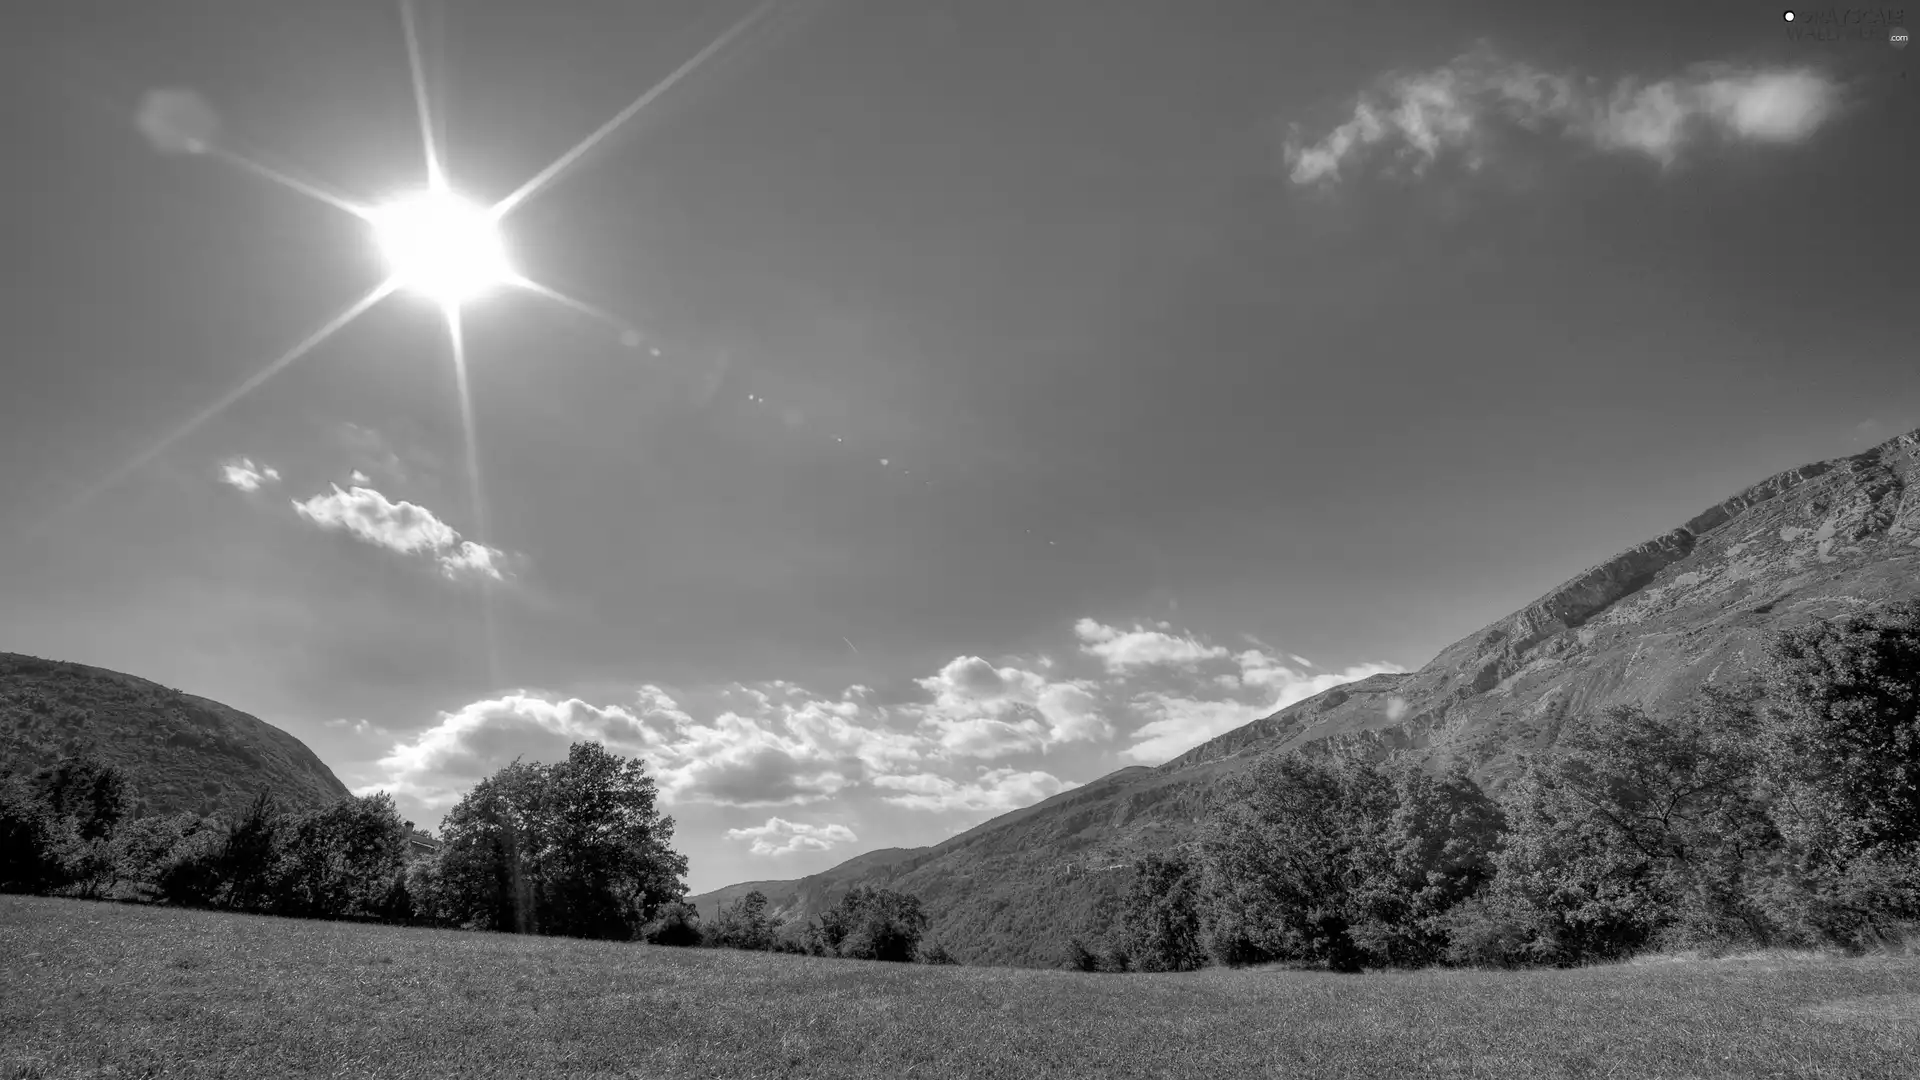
<point x="111" y="990"/>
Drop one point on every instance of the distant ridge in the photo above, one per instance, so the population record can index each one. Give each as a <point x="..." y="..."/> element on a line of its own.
<point x="1650" y="625"/>
<point x="180" y="752"/>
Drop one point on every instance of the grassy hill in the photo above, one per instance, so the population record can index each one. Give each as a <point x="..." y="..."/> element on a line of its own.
<point x="1648" y="626"/>
<point x="99" y="989"/>
<point x="181" y="752"/>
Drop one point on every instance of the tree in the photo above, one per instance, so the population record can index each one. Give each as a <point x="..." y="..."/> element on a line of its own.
<point x="744" y="924"/>
<point x="607" y="866"/>
<point x="1841" y="743"/>
<point x="577" y="848"/>
<point x="1337" y="860"/>
<point x="676" y="923"/>
<point x="1431" y="851"/>
<point x="344" y="859"/>
<point x="1160" y="924"/>
<point x="245" y="865"/>
<point x="88" y="792"/>
<point x="29" y="856"/>
<point x="1276" y="860"/>
<point x="873" y="924"/>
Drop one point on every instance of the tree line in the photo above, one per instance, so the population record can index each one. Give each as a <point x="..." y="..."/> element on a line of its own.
<point x="1780" y="811"/>
<point x="576" y="848"/>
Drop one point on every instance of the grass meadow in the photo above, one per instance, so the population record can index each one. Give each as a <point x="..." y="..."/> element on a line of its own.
<point x="113" y="990"/>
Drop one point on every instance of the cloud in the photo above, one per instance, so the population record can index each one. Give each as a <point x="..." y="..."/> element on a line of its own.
<point x="1179" y="722"/>
<point x="245" y="475"/>
<point x="982" y="711"/>
<point x="995" y="789"/>
<point x="1122" y="650"/>
<point x="782" y="837"/>
<point x="784" y="749"/>
<point x="1460" y="108"/>
<point x="401" y="527"/>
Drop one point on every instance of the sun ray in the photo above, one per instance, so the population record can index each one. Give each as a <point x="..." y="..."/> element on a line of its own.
<point x="629" y="333"/>
<point x="235" y="158"/>
<point x="252" y="383"/>
<point x="456" y="339"/>
<point x="560" y="164"/>
<point x="436" y="177"/>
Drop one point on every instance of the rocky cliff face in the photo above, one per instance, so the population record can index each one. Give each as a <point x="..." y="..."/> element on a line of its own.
<point x="179" y="751"/>
<point x="1650" y="625"/>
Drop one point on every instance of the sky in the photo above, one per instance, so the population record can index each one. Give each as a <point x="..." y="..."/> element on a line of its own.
<point x="960" y="402"/>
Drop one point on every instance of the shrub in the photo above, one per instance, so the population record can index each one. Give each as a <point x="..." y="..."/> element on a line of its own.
<point x="29" y="856"/>
<point x="1078" y="957"/>
<point x="873" y="924"/>
<point x="677" y="923"/>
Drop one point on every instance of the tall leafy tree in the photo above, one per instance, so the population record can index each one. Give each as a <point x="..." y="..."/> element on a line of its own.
<point x="1160" y="926"/>
<point x="340" y="860"/>
<point x="578" y="848"/>
<point x="1841" y="739"/>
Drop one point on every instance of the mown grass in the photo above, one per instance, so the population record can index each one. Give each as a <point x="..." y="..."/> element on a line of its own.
<point x="111" y="990"/>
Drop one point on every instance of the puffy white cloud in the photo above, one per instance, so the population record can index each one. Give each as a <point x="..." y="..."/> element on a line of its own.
<point x="245" y="475"/>
<point x="402" y="527"/>
<point x="782" y="837"/>
<point x="994" y="789"/>
<point x="982" y="711"/>
<point x="470" y="558"/>
<point x="437" y="766"/>
<point x="1457" y="107"/>
<point x="1124" y="650"/>
<point x="782" y="754"/>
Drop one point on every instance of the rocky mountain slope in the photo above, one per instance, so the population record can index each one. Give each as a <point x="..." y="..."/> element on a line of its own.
<point x="1650" y="625"/>
<point x="181" y="752"/>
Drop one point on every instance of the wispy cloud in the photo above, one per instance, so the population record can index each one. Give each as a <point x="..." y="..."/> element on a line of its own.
<point x="1179" y="722"/>
<point x="782" y="837"/>
<point x="245" y="475"/>
<point x="1457" y="109"/>
<point x="994" y="789"/>
<point x="402" y="527"/>
<point x="1122" y="650"/>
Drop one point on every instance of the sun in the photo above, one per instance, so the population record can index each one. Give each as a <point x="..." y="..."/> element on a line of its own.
<point x="441" y="246"/>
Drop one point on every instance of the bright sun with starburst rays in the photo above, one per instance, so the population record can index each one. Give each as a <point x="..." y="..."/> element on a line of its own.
<point x="441" y="245"/>
<point x="437" y="243"/>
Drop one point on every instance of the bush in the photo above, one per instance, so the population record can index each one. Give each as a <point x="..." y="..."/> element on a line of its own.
<point x="346" y="859"/>
<point x="192" y="873"/>
<point x="29" y="856"/>
<point x="873" y="924"/>
<point x="743" y="925"/>
<point x="1078" y="957"/>
<point x="677" y="924"/>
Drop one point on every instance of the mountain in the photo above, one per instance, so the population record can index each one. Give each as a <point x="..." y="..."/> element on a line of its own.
<point x="1650" y="625"/>
<point x="180" y="752"/>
